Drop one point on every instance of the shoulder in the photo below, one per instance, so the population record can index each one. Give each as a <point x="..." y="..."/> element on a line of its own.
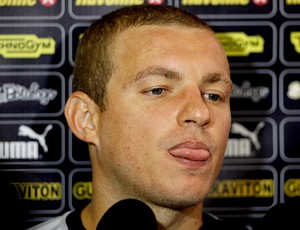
<point x="56" y="223"/>
<point x="211" y="221"/>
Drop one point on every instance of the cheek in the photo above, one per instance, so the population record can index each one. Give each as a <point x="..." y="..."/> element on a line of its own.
<point x="136" y="125"/>
<point x="128" y="129"/>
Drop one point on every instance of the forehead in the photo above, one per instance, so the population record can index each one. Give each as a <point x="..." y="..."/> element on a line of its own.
<point x="170" y="46"/>
<point x="160" y="35"/>
<point x="155" y="38"/>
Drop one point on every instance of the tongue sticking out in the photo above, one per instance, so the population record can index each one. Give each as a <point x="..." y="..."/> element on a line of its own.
<point x="193" y="151"/>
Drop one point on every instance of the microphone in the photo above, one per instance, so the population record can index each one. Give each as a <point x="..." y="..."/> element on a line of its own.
<point x="281" y="216"/>
<point x="128" y="214"/>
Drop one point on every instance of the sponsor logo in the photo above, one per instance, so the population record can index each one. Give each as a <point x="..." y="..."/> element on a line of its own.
<point x="10" y="92"/>
<point x="241" y="147"/>
<point x="240" y="44"/>
<point x="19" y="150"/>
<point x="26" y="131"/>
<point x="292" y="187"/>
<point x="31" y="9"/>
<point x="17" y="2"/>
<point x="293" y="92"/>
<point x="155" y="2"/>
<point x="255" y="94"/>
<point x="295" y="40"/>
<point x="235" y="9"/>
<point x="260" y="2"/>
<point x="82" y="190"/>
<point x="25" y="149"/>
<point x="292" y="2"/>
<point x="243" y="185"/>
<point x="242" y="188"/>
<point x="48" y="3"/>
<point x="215" y="2"/>
<point x="39" y="191"/>
<point x="25" y="46"/>
<point x="107" y="2"/>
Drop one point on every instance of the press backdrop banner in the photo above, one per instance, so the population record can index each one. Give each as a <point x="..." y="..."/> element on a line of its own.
<point x="45" y="170"/>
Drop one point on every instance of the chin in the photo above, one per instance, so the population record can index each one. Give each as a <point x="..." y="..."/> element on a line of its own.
<point x="180" y="202"/>
<point x="184" y="204"/>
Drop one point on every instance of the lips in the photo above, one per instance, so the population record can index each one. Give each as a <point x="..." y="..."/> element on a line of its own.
<point x="190" y="151"/>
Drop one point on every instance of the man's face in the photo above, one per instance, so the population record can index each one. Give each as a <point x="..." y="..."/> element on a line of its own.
<point x="165" y="128"/>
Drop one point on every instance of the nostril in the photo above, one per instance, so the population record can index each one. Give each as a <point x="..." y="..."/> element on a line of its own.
<point x="190" y="121"/>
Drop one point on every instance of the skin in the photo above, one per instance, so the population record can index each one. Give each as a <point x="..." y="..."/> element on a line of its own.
<point x="163" y="134"/>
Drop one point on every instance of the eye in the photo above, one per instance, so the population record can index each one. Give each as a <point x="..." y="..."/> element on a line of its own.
<point x="212" y="96"/>
<point x="157" y="91"/>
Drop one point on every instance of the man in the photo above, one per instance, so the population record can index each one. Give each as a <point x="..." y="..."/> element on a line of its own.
<point x="151" y="98"/>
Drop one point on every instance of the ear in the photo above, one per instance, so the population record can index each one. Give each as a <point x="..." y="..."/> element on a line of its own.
<point x="81" y="112"/>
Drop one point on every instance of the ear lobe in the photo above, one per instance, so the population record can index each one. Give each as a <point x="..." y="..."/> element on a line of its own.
<point x="79" y="111"/>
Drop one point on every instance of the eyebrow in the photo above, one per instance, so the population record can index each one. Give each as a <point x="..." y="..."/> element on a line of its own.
<point x="217" y="77"/>
<point x="157" y="71"/>
<point x="212" y="77"/>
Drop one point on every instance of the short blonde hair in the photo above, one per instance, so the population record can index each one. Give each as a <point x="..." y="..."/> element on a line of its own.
<point x="93" y="62"/>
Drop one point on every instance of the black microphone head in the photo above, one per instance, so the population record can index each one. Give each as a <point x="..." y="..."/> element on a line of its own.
<point x="282" y="216"/>
<point x="128" y="214"/>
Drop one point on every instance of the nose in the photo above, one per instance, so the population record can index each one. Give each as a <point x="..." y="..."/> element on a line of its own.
<point x="194" y="111"/>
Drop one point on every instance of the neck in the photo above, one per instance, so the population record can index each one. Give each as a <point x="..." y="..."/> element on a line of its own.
<point x="188" y="218"/>
<point x="168" y="219"/>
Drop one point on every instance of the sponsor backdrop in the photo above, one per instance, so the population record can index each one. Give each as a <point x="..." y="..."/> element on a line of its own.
<point x="45" y="170"/>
